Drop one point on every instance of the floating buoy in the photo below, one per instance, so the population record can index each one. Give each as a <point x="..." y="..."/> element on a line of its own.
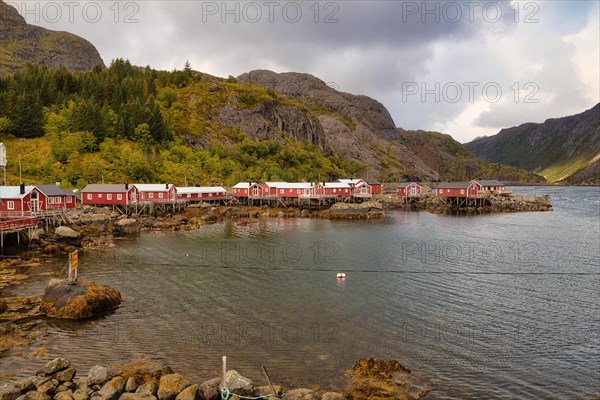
<point x="341" y="275"/>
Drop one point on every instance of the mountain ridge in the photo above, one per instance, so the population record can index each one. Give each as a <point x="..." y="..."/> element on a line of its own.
<point x="22" y="44"/>
<point x="558" y="148"/>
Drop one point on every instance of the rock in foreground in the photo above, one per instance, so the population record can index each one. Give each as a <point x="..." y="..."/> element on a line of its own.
<point x="380" y="379"/>
<point x="84" y="299"/>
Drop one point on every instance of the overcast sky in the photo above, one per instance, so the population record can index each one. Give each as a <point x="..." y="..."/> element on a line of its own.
<point x="467" y="68"/>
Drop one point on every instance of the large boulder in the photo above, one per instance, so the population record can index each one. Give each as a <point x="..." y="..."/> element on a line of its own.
<point x="84" y="299"/>
<point x="188" y="393"/>
<point x="98" y="375"/>
<point x="147" y="389"/>
<point x="9" y="392"/>
<point x="238" y="384"/>
<point x="58" y="364"/>
<point x="382" y="379"/>
<point x="127" y="225"/>
<point x="66" y="232"/>
<point x="171" y="385"/>
<point x="113" y="389"/>
<point x="136" y="396"/>
<point x="209" y="390"/>
<point x="64" y="395"/>
<point x="301" y="394"/>
<point x="33" y="395"/>
<point x="65" y="375"/>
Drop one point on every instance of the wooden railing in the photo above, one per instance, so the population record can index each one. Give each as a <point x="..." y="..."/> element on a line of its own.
<point x="17" y="223"/>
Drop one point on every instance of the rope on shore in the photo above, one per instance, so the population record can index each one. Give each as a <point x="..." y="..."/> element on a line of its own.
<point x="226" y="394"/>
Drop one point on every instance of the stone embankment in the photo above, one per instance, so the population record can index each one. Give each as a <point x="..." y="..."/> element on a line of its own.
<point x="371" y="379"/>
<point x="492" y="203"/>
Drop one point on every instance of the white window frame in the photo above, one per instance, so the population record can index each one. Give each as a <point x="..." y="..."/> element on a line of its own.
<point x="10" y="205"/>
<point x="150" y="195"/>
<point x="109" y="196"/>
<point x="90" y="196"/>
<point x="160" y="195"/>
<point x="119" y="196"/>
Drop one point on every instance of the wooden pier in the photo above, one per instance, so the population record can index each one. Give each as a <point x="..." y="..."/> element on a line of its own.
<point x="26" y="222"/>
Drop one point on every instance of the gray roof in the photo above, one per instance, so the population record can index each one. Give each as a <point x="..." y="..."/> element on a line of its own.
<point x="406" y="184"/>
<point x="489" y="182"/>
<point x="53" y="190"/>
<point x="373" y="182"/>
<point x="101" y="188"/>
<point x="454" y="185"/>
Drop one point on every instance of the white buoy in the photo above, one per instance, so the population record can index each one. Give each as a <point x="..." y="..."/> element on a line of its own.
<point x="341" y="275"/>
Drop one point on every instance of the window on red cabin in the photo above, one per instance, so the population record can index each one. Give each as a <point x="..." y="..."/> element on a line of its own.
<point x="160" y="195"/>
<point x="150" y="195"/>
<point x="89" y="196"/>
<point x="119" y="197"/>
<point x="109" y="197"/>
<point x="10" y="205"/>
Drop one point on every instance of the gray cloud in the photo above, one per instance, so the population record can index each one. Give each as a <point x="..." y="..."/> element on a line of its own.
<point x="375" y="48"/>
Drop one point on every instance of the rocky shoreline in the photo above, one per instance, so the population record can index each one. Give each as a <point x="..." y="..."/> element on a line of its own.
<point x="91" y="227"/>
<point x="370" y="379"/>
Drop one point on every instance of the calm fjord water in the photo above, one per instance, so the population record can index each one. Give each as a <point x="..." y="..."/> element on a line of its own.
<point x="490" y="306"/>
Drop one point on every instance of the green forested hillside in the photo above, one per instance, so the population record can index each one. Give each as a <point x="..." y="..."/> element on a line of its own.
<point x="137" y="124"/>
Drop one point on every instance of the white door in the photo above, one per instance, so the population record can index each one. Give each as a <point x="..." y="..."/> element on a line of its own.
<point x="35" y="205"/>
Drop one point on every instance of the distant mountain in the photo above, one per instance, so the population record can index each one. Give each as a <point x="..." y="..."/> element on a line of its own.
<point x="560" y="149"/>
<point x="342" y="124"/>
<point x="22" y="44"/>
<point x="449" y="158"/>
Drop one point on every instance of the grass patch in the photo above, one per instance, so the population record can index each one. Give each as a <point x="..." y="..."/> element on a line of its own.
<point x="563" y="169"/>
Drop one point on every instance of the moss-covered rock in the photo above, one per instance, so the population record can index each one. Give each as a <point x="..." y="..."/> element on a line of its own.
<point x="84" y="299"/>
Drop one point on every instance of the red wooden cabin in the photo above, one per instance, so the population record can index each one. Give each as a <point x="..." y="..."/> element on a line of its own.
<point x="21" y="200"/>
<point x="362" y="189"/>
<point x="491" y="186"/>
<point x="56" y="198"/>
<point x="376" y="186"/>
<point x="295" y="189"/>
<point x="201" y="193"/>
<point x="457" y="189"/>
<point x="269" y="189"/>
<point x="101" y="194"/>
<point x="409" y="189"/>
<point x="246" y="189"/>
<point x="327" y="189"/>
<point x="156" y="192"/>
